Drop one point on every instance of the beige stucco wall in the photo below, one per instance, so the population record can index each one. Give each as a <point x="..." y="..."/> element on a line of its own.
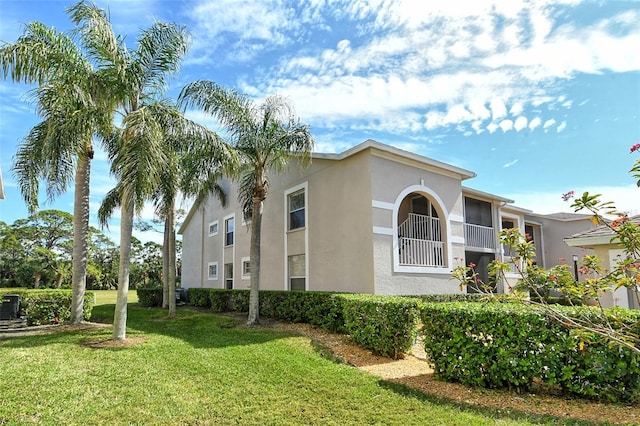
<point x="392" y="179"/>
<point x="553" y="234"/>
<point x="192" y="252"/>
<point x="348" y="238"/>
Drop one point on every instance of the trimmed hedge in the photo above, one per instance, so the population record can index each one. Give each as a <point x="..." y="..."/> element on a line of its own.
<point x="385" y="325"/>
<point x="150" y="297"/>
<point x="507" y="345"/>
<point x="199" y="297"/>
<point x="49" y="306"/>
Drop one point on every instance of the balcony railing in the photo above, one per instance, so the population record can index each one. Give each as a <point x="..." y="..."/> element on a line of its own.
<point x="417" y="252"/>
<point x="420" y="241"/>
<point x="478" y="236"/>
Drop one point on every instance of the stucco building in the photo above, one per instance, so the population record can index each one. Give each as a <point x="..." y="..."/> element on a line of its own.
<point x="372" y="219"/>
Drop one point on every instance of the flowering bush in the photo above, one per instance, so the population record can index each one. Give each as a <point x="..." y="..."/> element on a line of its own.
<point x="534" y="284"/>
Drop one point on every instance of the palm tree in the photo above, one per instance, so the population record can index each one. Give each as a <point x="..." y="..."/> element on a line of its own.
<point x="195" y="172"/>
<point x="70" y="98"/>
<point x="265" y="137"/>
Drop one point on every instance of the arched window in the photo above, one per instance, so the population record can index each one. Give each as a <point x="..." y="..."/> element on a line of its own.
<point x="421" y="232"/>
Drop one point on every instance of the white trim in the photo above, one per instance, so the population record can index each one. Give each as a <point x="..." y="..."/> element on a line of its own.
<point x="302" y="186"/>
<point x="445" y="214"/>
<point x="423" y="270"/>
<point x="212" y="277"/>
<point x="217" y="225"/>
<point x="456" y="218"/>
<point x="244" y="276"/>
<point x="458" y="240"/>
<point x="380" y="230"/>
<point x="382" y="205"/>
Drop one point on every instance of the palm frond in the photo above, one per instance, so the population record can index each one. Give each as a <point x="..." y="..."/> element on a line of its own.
<point x="160" y="51"/>
<point x="109" y="204"/>
<point x="97" y="36"/>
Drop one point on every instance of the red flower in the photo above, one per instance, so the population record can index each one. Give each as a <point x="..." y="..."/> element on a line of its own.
<point x="472" y="265"/>
<point x="618" y="221"/>
<point x="553" y="277"/>
<point x="635" y="148"/>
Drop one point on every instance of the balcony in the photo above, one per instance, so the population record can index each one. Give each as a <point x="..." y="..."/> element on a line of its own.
<point x="477" y="236"/>
<point x="420" y="241"/>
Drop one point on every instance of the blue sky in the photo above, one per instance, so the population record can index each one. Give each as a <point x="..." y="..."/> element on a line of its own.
<point x="536" y="97"/>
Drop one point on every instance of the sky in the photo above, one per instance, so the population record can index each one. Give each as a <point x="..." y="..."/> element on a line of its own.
<point x="536" y="97"/>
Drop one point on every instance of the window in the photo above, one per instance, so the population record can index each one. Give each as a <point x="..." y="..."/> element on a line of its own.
<point x="297" y="272"/>
<point x="213" y="228"/>
<point x="228" y="276"/>
<point x="296" y="210"/>
<point x="212" y="271"/>
<point x="246" y="268"/>
<point x="229" y="228"/>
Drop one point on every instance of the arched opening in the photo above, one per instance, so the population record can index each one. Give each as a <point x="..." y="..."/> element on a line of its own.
<point x="420" y="232"/>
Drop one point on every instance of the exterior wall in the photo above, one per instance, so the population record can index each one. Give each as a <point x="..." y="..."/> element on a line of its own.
<point x="554" y="247"/>
<point x="392" y="179"/>
<point x="192" y="252"/>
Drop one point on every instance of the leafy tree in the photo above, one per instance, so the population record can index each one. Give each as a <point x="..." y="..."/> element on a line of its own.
<point x="265" y="137"/>
<point x="535" y="283"/>
<point x="71" y="100"/>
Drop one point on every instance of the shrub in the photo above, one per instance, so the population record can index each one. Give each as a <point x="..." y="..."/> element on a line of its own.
<point x="199" y="297"/>
<point x="506" y="345"/>
<point x="384" y="324"/>
<point x="151" y="297"/>
<point x="50" y="306"/>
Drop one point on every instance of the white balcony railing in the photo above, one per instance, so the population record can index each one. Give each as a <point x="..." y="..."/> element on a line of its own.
<point x="421" y="252"/>
<point x="479" y="236"/>
<point x="420" y="241"/>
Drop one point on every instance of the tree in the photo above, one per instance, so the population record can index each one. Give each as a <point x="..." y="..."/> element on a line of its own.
<point x="266" y="137"/>
<point x="535" y="283"/>
<point x="70" y="98"/>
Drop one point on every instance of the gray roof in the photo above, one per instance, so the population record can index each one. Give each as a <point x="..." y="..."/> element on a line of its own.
<point x="599" y="235"/>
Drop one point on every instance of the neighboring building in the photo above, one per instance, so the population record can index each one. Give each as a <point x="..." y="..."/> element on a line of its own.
<point x="599" y="240"/>
<point x="373" y="219"/>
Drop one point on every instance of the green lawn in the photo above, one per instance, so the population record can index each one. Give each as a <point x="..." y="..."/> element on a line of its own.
<point x="198" y="369"/>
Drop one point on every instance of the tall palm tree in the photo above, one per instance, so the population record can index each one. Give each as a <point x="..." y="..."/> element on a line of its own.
<point x="137" y="80"/>
<point x="196" y="172"/>
<point x="71" y="99"/>
<point x="265" y="137"/>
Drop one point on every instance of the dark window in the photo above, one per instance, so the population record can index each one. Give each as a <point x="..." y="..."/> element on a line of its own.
<point x="229" y="228"/>
<point x="228" y="275"/>
<point x="296" y="210"/>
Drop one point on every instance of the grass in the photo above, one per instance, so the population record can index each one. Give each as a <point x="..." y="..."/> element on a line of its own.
<point x="197" y="369"/>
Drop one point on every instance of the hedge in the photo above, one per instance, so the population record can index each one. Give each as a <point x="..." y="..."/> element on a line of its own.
<point x="49" y="306"/>
<point x="385" y="325"/>
<point x="150" y="297"/>
<point x="507" y="345"/>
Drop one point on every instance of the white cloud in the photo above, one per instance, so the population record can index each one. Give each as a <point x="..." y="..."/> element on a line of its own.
<point x="534" y="123"/>
<point x="498" y="109"/>
<point x="561" y="126"/>
<point x="520" y="123"/>
<point x="492" y="127"/>
<point x="506" y="125"/>
<point x="510" y="163"/>
<point x="548" y="124"/>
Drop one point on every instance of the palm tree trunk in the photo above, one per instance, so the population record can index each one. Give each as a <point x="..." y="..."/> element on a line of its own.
<point x="126" y="231"/>
<point x="165" y="264"/>
<point x="254" y="291"/>
<point x="171" y="270"/>
<point x="80" y="238"/>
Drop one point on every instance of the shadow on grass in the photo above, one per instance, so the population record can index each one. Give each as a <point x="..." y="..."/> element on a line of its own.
<point x="496" y="413"/>
<point x="198" y="328"/>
